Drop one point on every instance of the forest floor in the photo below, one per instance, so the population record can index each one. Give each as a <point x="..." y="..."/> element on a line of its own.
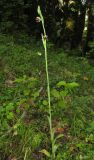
<point x="24" y="127"/>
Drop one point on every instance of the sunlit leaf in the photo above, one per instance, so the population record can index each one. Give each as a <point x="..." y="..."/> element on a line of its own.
<point x="44" y="151"/>
<point x="45" y="103"/>
<point x="72" y="85"/>
<point x="61" y="83"/>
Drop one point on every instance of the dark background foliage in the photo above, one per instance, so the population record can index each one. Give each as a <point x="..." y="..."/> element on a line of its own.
<point x="69" y="23"/>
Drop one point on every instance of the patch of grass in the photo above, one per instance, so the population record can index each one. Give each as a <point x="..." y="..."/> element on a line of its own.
<point x="23" y="57"/>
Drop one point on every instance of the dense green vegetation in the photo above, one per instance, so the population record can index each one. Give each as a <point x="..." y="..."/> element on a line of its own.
<point x="24" y="128"/>
<point x="47" y="80"/>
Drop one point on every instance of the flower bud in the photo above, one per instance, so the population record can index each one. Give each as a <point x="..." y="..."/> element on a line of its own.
<point x="38" y="19"/>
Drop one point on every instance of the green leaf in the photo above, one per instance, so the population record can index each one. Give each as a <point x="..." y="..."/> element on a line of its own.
<point x="26" y="92"/>
<point x="55" y="93"/>
<point x="56" y="147"/>
<point x="48" y="119"/>
<point x="10" y="116"/>
<point x="61" y="83"/>
<point x="44" y="151"/>
<point x="9" y="107"/>
<point x="16" y="125"/>
<point x="64" y="93"/>
<point x="45" y="103"/>
<point x="72" y="85"/>
<point x="18" y="80"/>
<point x="39" y="10"/>
<point x="26" y="106"/>
<point x="36" y="94"/>
<point x="5" y="124"/>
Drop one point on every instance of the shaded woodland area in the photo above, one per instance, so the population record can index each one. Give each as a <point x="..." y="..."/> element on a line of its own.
<point x="46" y="79"/>
<point x="69" y="23"/>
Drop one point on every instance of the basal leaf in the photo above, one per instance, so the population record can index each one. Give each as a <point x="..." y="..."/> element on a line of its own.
<point x="44" y="151"/>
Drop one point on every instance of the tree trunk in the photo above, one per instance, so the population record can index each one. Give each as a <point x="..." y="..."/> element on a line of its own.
<point x="90" y="28"/>
<point x="79" y="27"/>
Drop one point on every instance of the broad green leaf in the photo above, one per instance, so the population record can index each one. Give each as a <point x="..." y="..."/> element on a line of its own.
<point x="44" y="151"/>
<point x="61" y="83"/>
<point x="55" y="93"/>
<point x="72" y="85"/>
<point x="63" y="93"/>
<point x="10" y="116"/>
<point x="9" y="107"/>
<point x="45" y="103"/>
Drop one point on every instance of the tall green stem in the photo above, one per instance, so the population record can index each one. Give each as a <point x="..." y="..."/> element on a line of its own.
<point x="48" y="88"/>
<point x="44" y="40"/>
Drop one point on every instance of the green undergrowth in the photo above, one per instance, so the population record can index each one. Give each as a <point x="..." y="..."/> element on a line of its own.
<point x="24" y="128"/>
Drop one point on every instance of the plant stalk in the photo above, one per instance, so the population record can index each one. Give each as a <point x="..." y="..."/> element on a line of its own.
<point x="44" y="37"/>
